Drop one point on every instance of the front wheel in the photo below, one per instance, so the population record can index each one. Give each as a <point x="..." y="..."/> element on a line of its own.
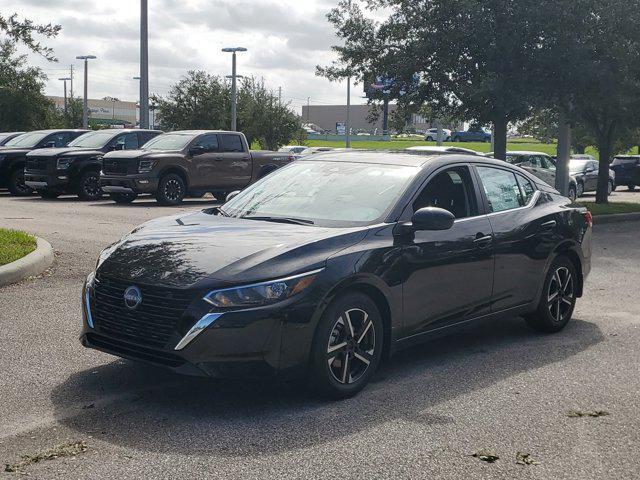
<point x="610" y="188"/>
<point x="171" y="190"/>
<point x="580" y="190"/>
<point x="572" y="193"/>
<point x="347" y="347"/>
<point x="558" y="298"/>
<point x="429" y="139"/>
<point x="16" y="184"/>
<point x="123" y="198"/>
<point x="631" y="187"/>
<point x="89" y="186"/>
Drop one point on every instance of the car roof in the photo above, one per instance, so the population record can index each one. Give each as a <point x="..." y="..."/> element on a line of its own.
<point x="60" y="130"/>
<point x="526" y="152"/>
<point x="199" y="132"/>
<point x="399" y="157"/>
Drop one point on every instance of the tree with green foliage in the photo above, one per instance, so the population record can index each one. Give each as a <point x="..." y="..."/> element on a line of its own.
<point x="23" y="105"/>
<point x="23" y="31"/>
<point x="472" y="56"/>
<point x="203" y="101"/>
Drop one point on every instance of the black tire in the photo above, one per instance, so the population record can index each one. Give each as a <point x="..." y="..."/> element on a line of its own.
<point x="16" y="184"/>
<point x="344" y="358"/>
<point x="631" y="187"/>
<point x="49" y="194"/>
<point x="580" y="190"/>
<point x="555" y="309"/>
<point x="123" y="198"/>
<point x="610" y="188"/>
<point x="171" y="190"/>
<point x="89" y="186"/>
<point x="572" y="193"/>
<point x="456" y="139"/>
<point x="428" y="139"/>
<point x="220" y="196"/>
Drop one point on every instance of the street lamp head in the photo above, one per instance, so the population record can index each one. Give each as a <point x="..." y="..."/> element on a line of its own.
<point x="86" y="57"/>
<point x="234" y="49"/>
<point x="231" y="76"/>
<point x="136" y="78"/>
<point x="64" y="79"/>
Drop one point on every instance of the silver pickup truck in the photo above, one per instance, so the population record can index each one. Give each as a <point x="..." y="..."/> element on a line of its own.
<point x="187" y="163"/>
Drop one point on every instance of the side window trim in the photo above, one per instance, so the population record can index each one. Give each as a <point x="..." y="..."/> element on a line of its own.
<point x="485" y="202"/>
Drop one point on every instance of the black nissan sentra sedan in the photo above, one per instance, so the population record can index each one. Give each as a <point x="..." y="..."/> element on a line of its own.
<point x="329" y="265"/>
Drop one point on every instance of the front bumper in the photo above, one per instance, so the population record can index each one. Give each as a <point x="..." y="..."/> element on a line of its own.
<point x="140" y="183"/>
<point x="254" y="343"/>
<point x="47" y="181"/>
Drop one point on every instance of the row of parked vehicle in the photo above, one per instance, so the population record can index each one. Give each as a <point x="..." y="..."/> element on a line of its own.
<point x="127" y="162"/>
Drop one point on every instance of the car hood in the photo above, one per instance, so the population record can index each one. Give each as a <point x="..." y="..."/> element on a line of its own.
<point x="204" y="250"/>
<point x="132" y="154"/>
<point x="65" y="151"/>
<point x="8" y="151"/>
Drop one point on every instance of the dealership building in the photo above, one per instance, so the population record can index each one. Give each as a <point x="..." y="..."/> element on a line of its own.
<point x="111" y="112"/>
<point x="327" y="117"/>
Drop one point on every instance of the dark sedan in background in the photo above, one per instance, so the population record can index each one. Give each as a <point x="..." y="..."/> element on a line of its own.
<point x="13" y="155"/>
<point x="328" y="265"/>
<point x="585" y="169"/>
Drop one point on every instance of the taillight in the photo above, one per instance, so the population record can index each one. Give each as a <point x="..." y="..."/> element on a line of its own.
<point x="588" y="218"/>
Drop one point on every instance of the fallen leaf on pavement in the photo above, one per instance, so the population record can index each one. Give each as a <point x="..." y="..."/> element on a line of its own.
<point x="587" y="413"/>
<point x="525" y="459"/>
<point x="66" y="450"/>
<point x="486" y="456"/>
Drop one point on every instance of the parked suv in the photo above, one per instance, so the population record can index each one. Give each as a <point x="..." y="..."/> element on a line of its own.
<point x="76" y="168"/>
<point x="13" y="154"/>
<point x="542" y="166"/>
<point x="585" y="171"/>
<point x="192" y="162"/>
<point x="627" y="170"/>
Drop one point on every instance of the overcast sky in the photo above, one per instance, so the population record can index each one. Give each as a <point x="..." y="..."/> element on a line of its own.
<point x="286" y="40"/>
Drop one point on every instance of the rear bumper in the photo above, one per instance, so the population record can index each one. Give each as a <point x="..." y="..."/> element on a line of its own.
<point x="128" y="183"/>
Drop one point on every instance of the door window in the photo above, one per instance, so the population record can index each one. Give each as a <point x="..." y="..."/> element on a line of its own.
<point x="501" y="188"/>
<point x="209" y="142"/>
<point x="231" y="143"/>
<point x="451" y="190"/>
<point x="526" y="189"/>
<point x="128" y="141"/>
<point x="58" y="139"/>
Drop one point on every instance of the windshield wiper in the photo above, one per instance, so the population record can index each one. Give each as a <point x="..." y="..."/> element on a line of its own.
<point x="295" y="221"/>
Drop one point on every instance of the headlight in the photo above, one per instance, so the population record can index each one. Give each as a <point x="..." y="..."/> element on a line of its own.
<point x="264" y="293"/>
<point x="64" y="163"/>
<point x="145" y="166"/>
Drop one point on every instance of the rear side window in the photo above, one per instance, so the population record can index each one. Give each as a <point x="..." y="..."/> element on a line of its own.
<point x="501" y="189"/>
<point x="58" y="139"/>
<point x="231" y="143"/>
<point x="129" y="140"/>
<point x="526" y="189"/>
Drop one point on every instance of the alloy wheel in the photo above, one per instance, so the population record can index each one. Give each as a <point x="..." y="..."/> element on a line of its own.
<point x="173" y="190"/>
<point x="580" y="190"/>
<point x="91" y="186"/>
<point x="560" y="296"/>
<point x="351" y="346"/>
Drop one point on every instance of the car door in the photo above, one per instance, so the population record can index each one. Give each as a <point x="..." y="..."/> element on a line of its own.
<point x="234" y="161"/>
<point x="448" y="273"/>
<point x="524" y="231"/>
<point x="591" y="177"/>
<point x="203" y="162"/>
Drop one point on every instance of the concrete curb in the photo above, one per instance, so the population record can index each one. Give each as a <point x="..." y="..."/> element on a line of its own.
<point x="33" y="264"/>
<point x="616" y="218"/>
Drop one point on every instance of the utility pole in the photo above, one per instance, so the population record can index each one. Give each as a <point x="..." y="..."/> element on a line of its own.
<point x="144" y="65"/>
<point x="234" y="106"/>
<point x="85" y="106"/>
<point x="64" y="79"/>
<point x="71" y="83"/>
<point x="385" y="115"/>
<point x="348" y="126"/>
<point x="279" y="95"/>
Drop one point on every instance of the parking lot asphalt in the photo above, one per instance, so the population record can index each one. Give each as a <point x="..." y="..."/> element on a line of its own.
<point x="621" y="194"/>
<point x="496" y="386"/>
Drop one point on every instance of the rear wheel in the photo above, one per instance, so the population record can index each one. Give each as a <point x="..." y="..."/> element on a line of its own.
<point x="558" y="298"/>
<point x="610" y="188"/>
<point x="123" y="198"/>
<point x="580" y="189"/>
<point x="171" y="190"/>
<point x="49" y="194"/>
<point x="16" y="184"/>
<point x="347" y="347"/>
<point x="89" y="186"/>
<point x="572" y="193"/>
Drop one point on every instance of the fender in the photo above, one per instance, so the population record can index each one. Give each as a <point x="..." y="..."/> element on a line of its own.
<point x="562" y="248"/>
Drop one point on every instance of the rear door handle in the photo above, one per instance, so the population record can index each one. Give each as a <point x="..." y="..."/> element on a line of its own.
<point x="548" y="225"/>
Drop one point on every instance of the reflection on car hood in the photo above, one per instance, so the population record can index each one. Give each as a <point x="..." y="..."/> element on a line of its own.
<point x="67" y="151"/>
<point x="182" y="251"/>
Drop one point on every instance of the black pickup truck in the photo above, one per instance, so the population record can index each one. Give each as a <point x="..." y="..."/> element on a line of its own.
<point x="191" y="162"/>
<point x="76" y="168"/>
<point x="14" y="152"/>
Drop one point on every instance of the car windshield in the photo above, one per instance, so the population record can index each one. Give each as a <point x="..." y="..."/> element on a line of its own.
<point x="577" y="165"/>
<point x="27" y="140"/>
<point x="325" y="193"/>
<point x="168" y="141"/>
<point x="93" y="140"/>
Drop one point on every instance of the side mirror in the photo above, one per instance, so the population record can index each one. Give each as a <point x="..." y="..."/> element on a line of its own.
<point x="232" y="194"/>
<point x="589" y="170"/>
<point x="197" y="150"/>
<point x="432" y="218"/>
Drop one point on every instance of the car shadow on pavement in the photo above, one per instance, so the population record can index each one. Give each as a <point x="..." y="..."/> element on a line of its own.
<point x="145" y="408"/>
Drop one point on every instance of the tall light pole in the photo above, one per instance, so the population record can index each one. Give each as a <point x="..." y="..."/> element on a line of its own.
<point x="138" y="105"/>
<point x="64" y="79"/>
<point x="144" y="66"/>
<point x="85" y="107"/>
<point x="348" y="130"/>
<point x="234" y="114"/>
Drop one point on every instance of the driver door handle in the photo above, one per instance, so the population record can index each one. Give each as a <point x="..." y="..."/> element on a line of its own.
<point x="482" y="240"/>
<point x="548" y="225"/>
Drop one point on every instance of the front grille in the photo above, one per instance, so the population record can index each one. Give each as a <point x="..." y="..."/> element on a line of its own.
<point x="127" y="350"/>
<point x="152" y="323"/>
<point x="119" y="166"/>
<point x="36" y="164"/>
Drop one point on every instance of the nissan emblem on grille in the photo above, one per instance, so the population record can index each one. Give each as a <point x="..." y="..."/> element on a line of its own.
<point x="132" y="297"/>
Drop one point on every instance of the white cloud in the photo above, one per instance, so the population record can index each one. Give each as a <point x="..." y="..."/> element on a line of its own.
<point x="286" y="40"/>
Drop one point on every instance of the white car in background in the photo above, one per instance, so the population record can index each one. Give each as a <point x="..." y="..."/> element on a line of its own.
<point x="294" y="150"/>
<point x="431" y="135"/>
<point x="438" y="150"/>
